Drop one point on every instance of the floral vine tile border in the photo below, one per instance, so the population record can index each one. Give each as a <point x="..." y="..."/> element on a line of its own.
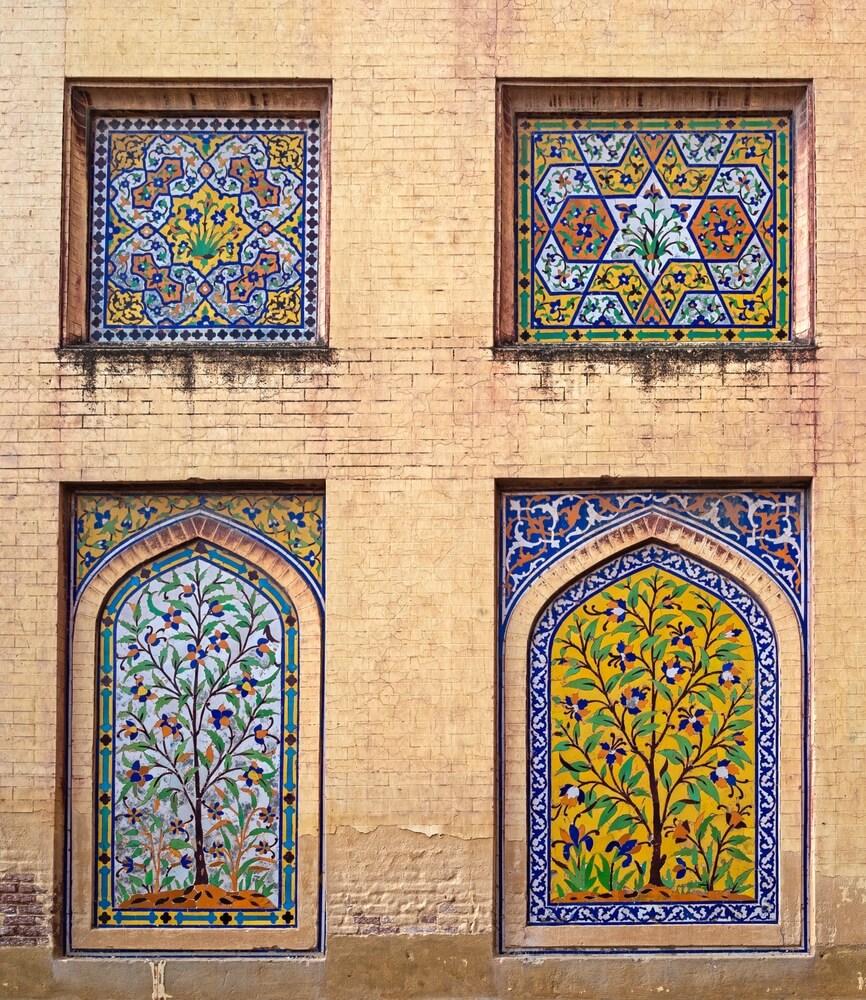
<point x="767" y="526"/>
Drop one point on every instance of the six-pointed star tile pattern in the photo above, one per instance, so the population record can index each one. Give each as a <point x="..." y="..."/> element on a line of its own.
<point x="650" y="230"/>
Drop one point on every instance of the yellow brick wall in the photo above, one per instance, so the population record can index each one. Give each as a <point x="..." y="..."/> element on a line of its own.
<point x="409" y="426"/>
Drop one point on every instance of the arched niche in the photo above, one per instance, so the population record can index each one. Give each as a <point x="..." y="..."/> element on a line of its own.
<point x="209" y="541"/>
<point x="523" y="930"/>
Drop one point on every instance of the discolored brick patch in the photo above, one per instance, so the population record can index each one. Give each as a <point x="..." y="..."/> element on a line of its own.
<point x="23" y="914"/>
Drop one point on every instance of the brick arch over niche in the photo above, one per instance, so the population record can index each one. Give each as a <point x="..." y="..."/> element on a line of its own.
<point x="186" y="533"/>
<point x="517" y="931"/>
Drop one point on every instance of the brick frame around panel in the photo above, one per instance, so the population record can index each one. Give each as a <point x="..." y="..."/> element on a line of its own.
<point x="635" y="99"/>
<point x="208" y="518"/>
<point x="145" y="100"/>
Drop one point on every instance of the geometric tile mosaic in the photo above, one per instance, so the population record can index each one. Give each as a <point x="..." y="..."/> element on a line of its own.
<point x="659" y="229"/>
<point x="205" y="230"/>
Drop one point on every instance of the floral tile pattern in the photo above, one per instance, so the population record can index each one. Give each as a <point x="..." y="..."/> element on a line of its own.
<point x="766" y="526"/>
<point x="653" y="767"/>
<point x="205" y="230"/>
<point x="667" y="229"/>
<point x="197" y="758"/>
<point x="653" y="709"/>
<point x="293" y="523"/>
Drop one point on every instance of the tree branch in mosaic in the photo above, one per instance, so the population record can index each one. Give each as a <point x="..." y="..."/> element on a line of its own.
<point x="198" y="740"/>
<point x="654" y="736"/>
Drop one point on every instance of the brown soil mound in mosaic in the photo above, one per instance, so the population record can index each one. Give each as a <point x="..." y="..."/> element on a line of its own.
<point x="198" y="897"/>
<point x="654" y="894"/>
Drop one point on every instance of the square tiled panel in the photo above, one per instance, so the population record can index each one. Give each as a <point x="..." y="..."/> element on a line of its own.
<point x="665" y="229"/>
<point x="205" y="230"/>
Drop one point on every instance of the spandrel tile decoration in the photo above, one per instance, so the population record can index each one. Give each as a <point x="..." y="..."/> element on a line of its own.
<point x="205" y="230"/>
<point x="653" y="230"/>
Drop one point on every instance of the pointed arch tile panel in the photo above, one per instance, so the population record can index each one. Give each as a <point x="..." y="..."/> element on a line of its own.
<point x="592" y="739"/>
<point x="573" y="563"/>
<point x="195" y="738"/>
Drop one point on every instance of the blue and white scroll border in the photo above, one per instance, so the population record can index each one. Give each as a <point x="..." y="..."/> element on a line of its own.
<point x="765" y="909"/>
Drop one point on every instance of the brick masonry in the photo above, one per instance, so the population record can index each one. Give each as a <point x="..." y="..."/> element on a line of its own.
<point x="410" y="420"/>
<point x="24" y="913"/>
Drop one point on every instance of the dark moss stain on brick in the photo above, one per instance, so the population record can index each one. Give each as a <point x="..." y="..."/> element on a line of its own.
<point x="651" y="365"/>
<point x="190" y="368"/>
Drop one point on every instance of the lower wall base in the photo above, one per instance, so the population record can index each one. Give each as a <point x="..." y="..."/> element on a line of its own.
<point x="401" y="967"/>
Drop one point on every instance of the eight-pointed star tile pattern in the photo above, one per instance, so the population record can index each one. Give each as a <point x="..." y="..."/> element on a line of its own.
<point x="205" y="230"/>
<point x="653" y="230"/>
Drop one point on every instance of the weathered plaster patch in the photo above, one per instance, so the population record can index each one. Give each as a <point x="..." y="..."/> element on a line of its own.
<point x="392" y="880"/>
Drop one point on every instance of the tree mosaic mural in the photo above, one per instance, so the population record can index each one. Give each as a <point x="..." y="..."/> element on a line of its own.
<point x="196" y="654"/>
<point x="197" y="752"/>
<point x="652" y="765"/>
<point x="650" y="690"/>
